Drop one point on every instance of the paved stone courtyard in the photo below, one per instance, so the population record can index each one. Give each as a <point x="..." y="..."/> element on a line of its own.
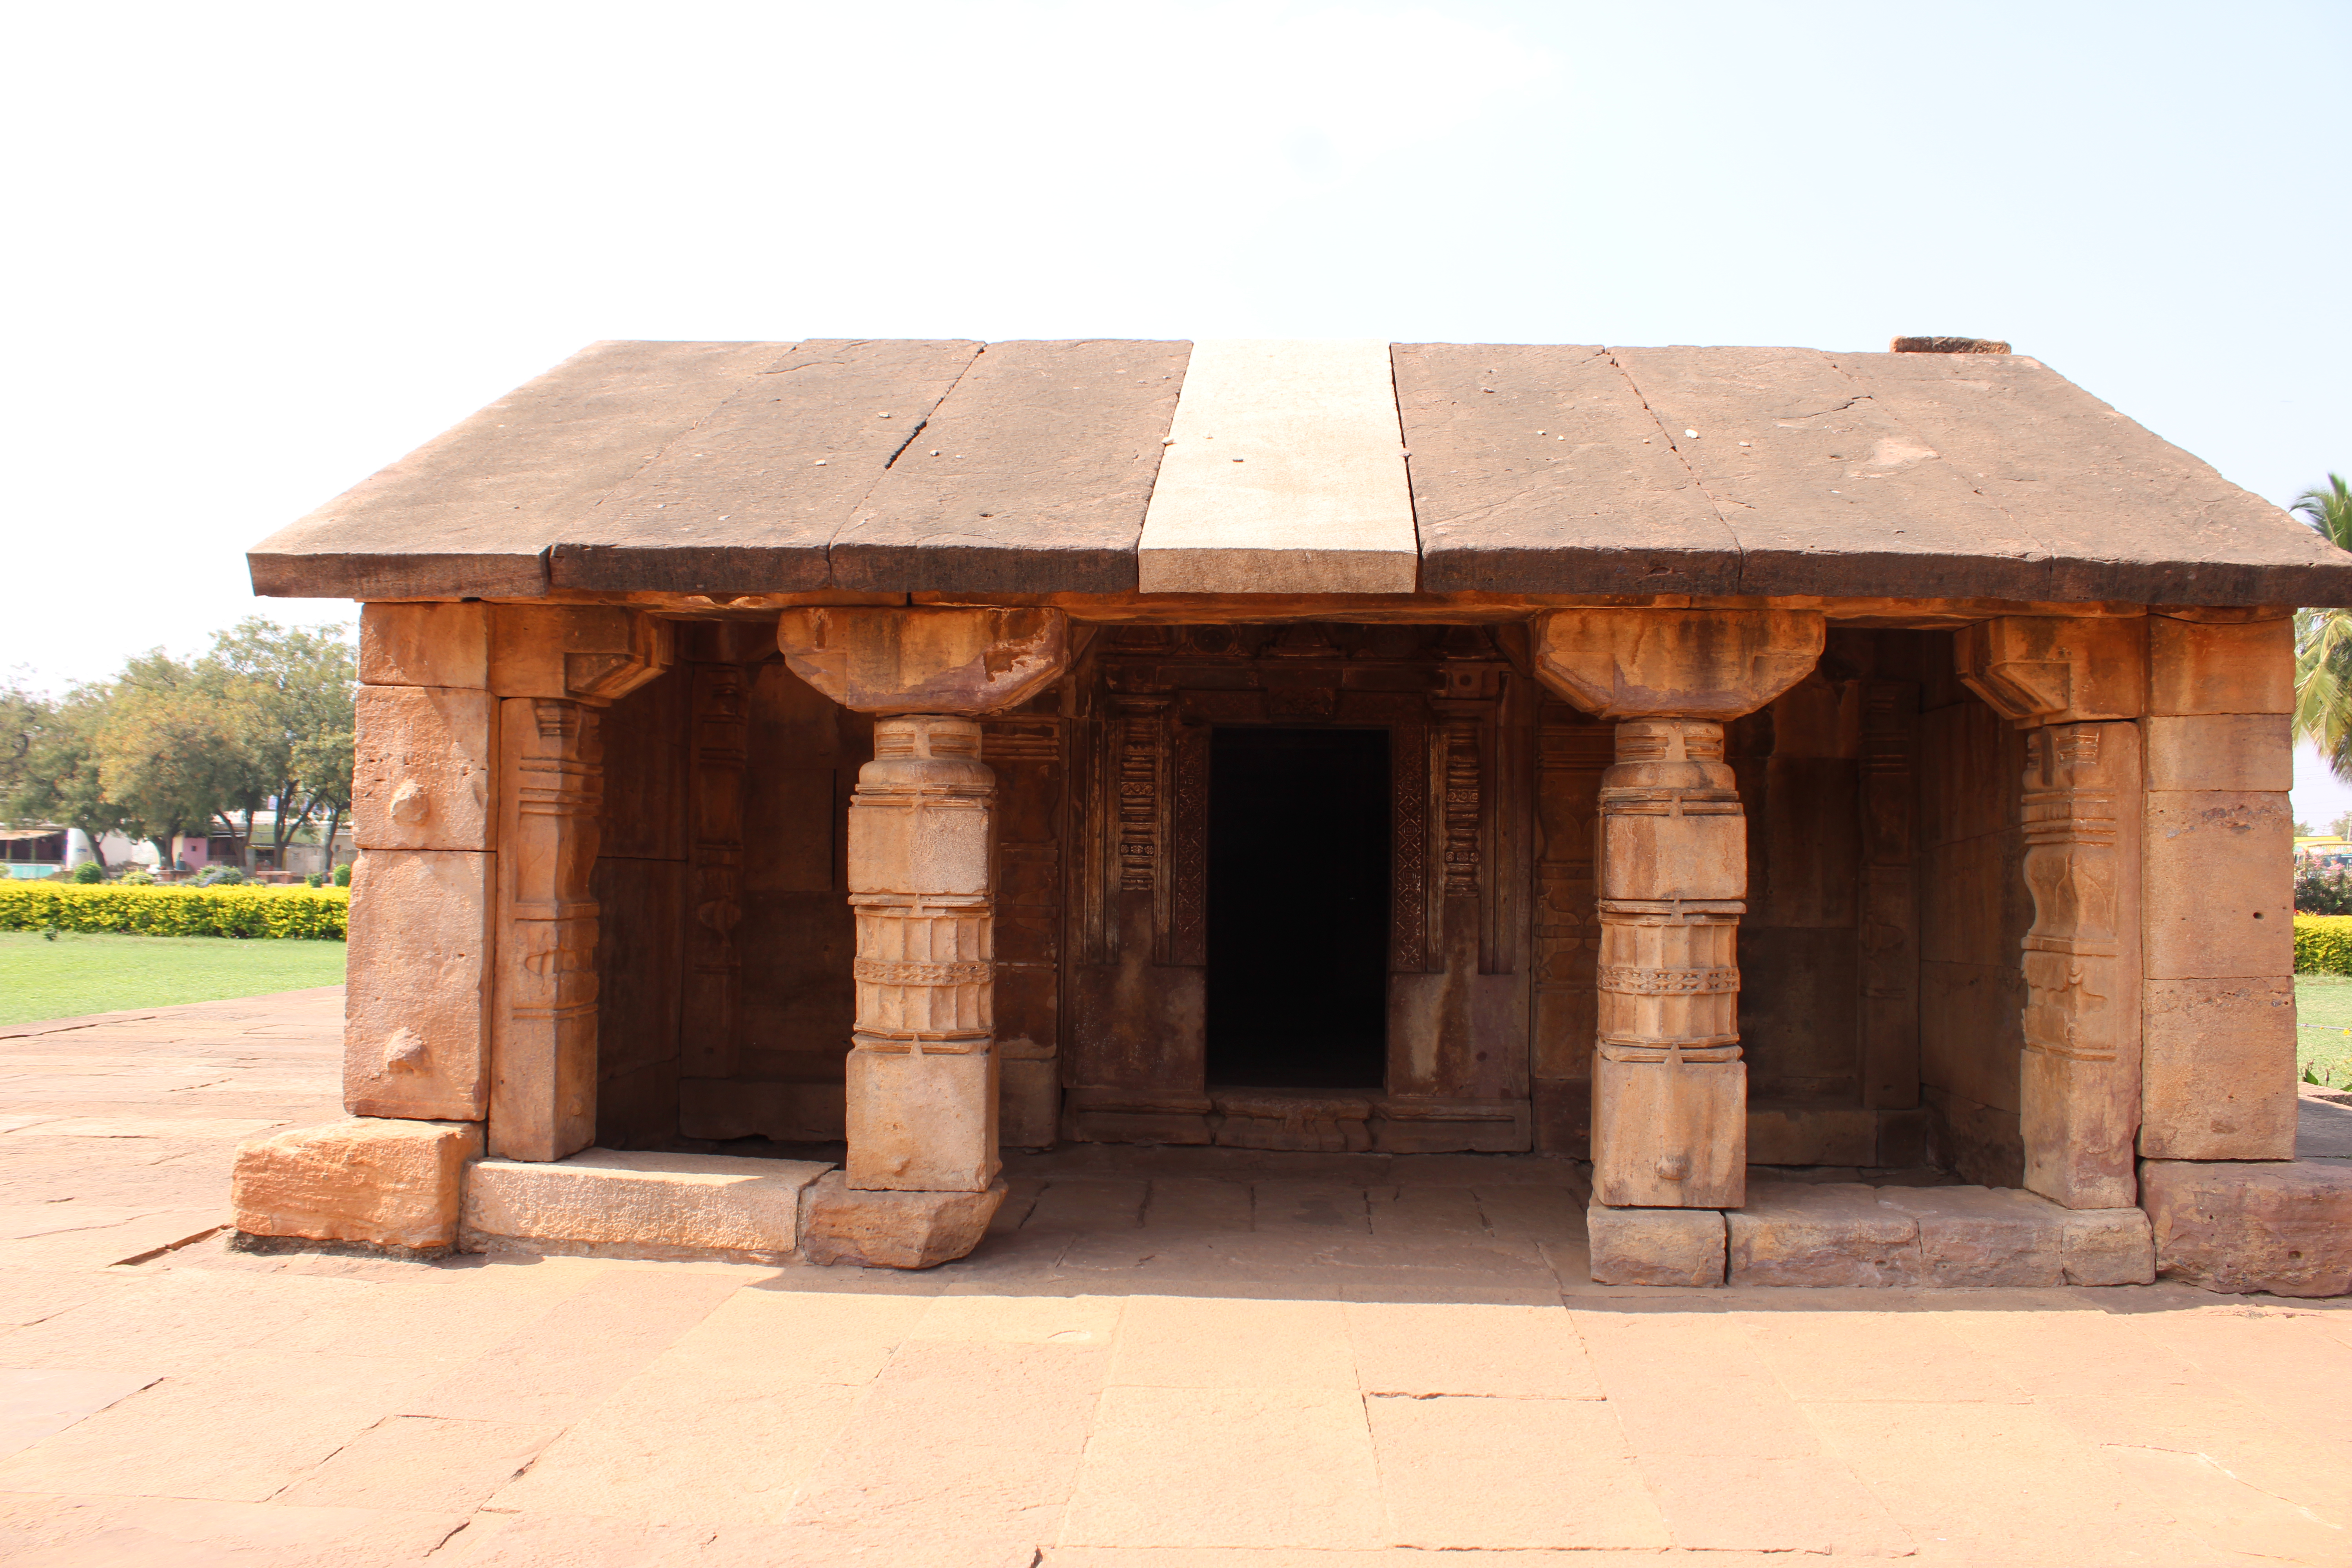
<point x="1172" y="1358"/>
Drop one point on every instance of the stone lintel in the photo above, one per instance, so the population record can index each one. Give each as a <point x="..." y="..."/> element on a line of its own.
<point x="1717" y="664"/>
<point x="926" y="660"/>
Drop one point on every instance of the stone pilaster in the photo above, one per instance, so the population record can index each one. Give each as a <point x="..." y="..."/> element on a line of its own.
<point x="543" y="1024"/>
<point x="2080" y="1081"/>
<point x="1670" y="1125"/>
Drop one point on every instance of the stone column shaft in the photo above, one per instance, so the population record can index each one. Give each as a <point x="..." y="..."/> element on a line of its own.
<point x="1670" y="1122"/>
<point x="922" y="1064"/>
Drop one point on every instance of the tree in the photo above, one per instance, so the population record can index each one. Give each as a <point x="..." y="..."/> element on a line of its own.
<point x="293" y="691"/>
<point x="2322" y="640"/>
<point x="172" y="753"/>
<point x="52" y="771"/>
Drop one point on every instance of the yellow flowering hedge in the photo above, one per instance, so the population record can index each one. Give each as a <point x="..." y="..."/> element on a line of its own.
<point x="316" y="913"/>
<point x="2323" y="944"/>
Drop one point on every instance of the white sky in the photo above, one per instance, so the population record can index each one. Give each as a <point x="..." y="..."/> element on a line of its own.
<point x="255" y="252"/>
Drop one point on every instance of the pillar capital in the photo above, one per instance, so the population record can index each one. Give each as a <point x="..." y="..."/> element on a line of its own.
<point x="595" y="654"/>
<point x="926" y="658"/>
<point x="1696" y="664"/>
<point x="2056" y="669"/>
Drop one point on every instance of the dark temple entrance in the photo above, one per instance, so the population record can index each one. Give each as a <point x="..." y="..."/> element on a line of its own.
<point x="1299" y="902"/>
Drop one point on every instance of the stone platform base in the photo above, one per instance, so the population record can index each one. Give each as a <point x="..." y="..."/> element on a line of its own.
<point x="1795" y="1232"/>
<point x="603" y="1203"/>
<point x="2283" y="1227"/>
<point x="421" y="1189"/>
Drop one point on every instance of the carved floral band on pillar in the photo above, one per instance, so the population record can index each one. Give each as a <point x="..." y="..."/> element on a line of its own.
<point x="1670" y="1090"/>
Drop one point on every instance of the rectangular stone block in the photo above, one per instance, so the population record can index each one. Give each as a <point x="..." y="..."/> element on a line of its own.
<point x="1983" y="1236"/>
<point x="2218" y="894"/>
<point x="417" y="985"/>
<point x="1832" y="1233"/>
<point x="426" y="645"/>
<point x="2282" y="1228"/>
<point x="2107" y="1246"/>
<point x="1644" y="856"/>
<point x="2078" y="1125"/>
<point x="2197" y="667"/>
<point x="1812" y="1135"/>
<point x="1029" y="1101"/>
<point x="1669" y="1136"/>
<point x="922" y="1122"/>
<point x="898" y="844"/>
<point x="2218" y="1069"/>
<point x="1655" y="1246"/>
<point x="607" y="1204"/>
<point x="425" y="767"/>
<point x="380" y="1183"/>
<point x="2220" y="751"/>
<point x="842" y="1224"/>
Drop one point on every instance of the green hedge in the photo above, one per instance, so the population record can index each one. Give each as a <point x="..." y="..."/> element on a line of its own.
<point x="316" y="913"/>
<point x="2323" y="944"/>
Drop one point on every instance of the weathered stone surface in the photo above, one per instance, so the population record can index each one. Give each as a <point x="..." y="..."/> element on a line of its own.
<point x="2219" y="899"/>
<point x="415" y="1037"/>
<point x="2056" y="669"/>
<point x="1984" y="1236"/>
<point x="1032" y="477"/>
<point x="1284" y="473"/>
<point x="2282" y="1229"/>
<point x="595" y="654"/>
<point x="609" y="1203"/>
<point x="470" y="513"/>
<point x="1655" y="1246"/>
<point x="424" y="767"/>
<point x="750" y="503"/>
<point x="1815" y="1136"/>
<point x="1669" y="1133"/>
<point x="426" y="645"/>
<point x="1832" y="1233"/>
<point x="722" y="1108"/>
<point x="383" y="1182"/>
<point x="1028" y="1100"/>
<point x="841" y="1224"/>
<point x="926" y="660"/>
<point x="2107" y="1246"/>
<point x="2220" y="751"/>
<point x="1536" y="469"/>
<point x="2198" y="667"/>
<point x="1843" y="1234"/>
<point x="2218" y="1069"/>
<point x="924" y="1121"/>
<point x="1634" y="664"/>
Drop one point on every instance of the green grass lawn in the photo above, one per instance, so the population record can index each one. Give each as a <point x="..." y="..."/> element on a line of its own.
<point x="2323" y="1008"/>
<point x="78" y="973"/>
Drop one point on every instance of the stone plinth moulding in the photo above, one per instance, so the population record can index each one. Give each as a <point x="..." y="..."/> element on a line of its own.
<point x="922" y="1071"/>
<point x="1670" y="1089"/>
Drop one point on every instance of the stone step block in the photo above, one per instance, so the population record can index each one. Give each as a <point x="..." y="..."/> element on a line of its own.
<point x="2281" y="1226"/>
<point x="365" y="1180"/>
<point x="1655" y="1246"/>
<point x="1809" y="1234"/>
<point x="604" y="1203"/>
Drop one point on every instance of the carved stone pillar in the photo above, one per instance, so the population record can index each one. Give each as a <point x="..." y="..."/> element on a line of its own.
<point x="921" y="1181"/>
<point x="1670" y="1126"/>
<point x="2075" y="683"/>
<point x="1670" y="1091"/>
<point x="923" y="1064"/>
<point x="2080" y="1079"/>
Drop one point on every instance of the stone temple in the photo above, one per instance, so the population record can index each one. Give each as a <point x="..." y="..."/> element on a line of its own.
<point x="1681" y="760"/>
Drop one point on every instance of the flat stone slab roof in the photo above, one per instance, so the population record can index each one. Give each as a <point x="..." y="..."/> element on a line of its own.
<point x="1092" y="467"/>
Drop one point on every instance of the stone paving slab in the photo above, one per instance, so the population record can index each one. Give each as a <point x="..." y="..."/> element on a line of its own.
<point x="1188" y="1360"/>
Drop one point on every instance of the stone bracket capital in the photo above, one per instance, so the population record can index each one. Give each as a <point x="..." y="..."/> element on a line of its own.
<point x="926" y="658"/>
<point x="2055" y="669"/>
<point x="1693" y="664"/>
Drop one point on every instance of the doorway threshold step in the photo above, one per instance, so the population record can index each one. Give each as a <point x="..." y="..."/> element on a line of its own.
<point x="608" y="1202"/>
